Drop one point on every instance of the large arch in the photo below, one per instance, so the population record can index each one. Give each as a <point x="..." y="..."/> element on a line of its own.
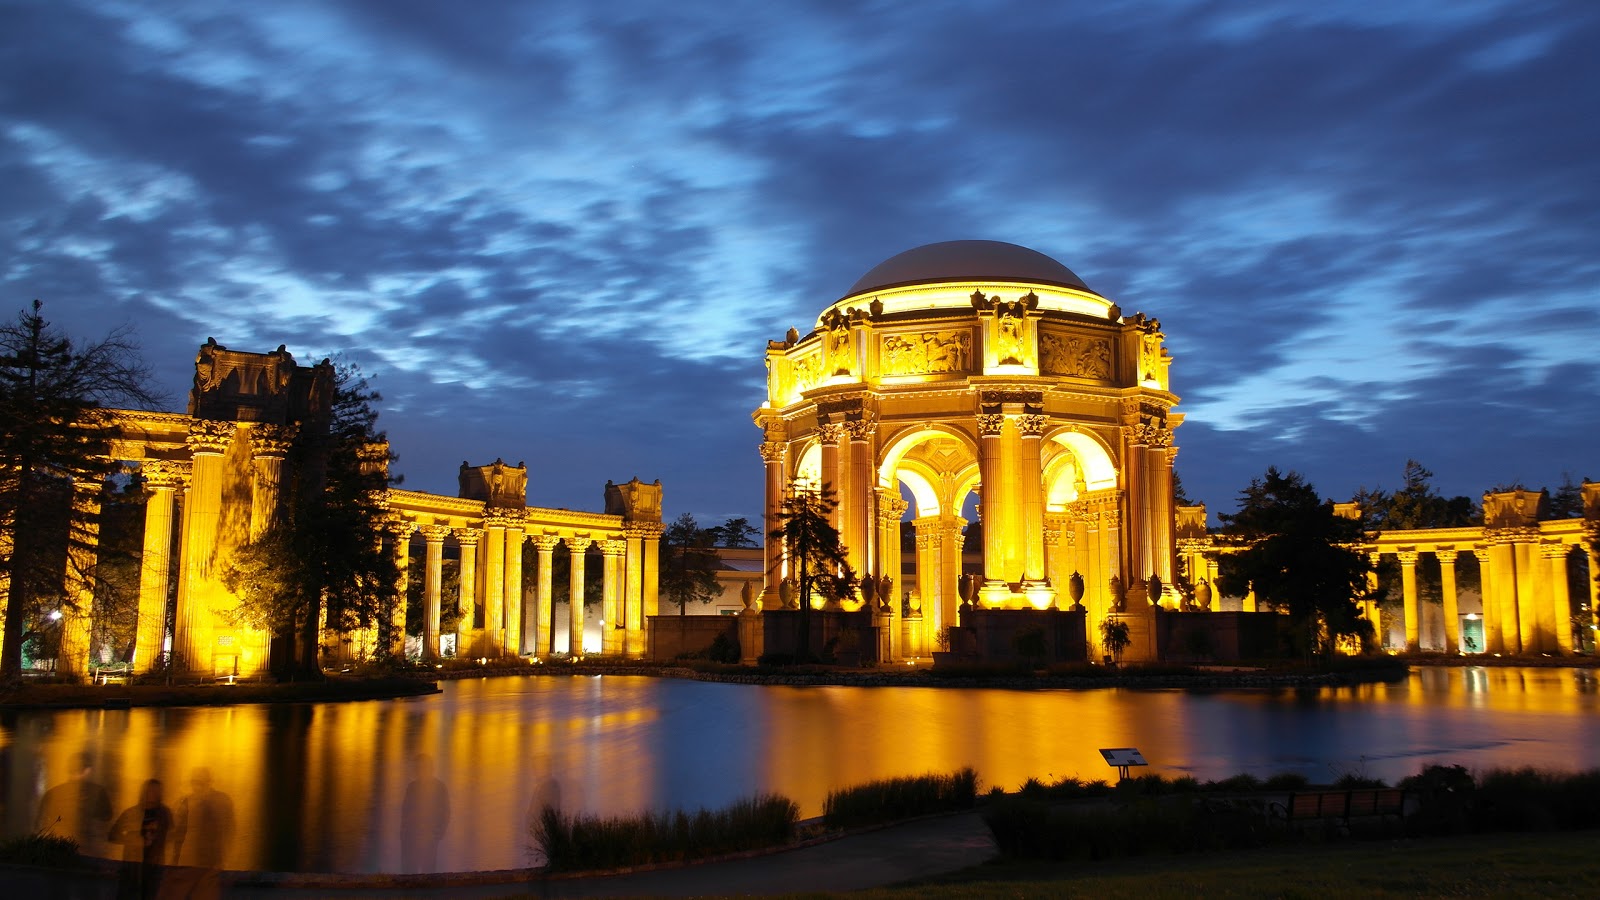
<point x="910" y="438"/>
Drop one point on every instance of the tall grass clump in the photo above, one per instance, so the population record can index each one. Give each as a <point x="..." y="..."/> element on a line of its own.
<point x="582" y="843"/>
<point x="40" y="850"/>
<point x="900" y="798"/>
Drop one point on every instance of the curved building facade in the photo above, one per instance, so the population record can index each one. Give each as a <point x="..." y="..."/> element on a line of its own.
<point x="980" y="367"/>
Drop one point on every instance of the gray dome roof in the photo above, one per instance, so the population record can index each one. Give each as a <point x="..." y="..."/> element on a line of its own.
<point x="967" y="261"/>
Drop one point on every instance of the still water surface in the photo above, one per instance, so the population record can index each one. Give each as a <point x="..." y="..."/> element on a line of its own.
<point x="319" y="787"/>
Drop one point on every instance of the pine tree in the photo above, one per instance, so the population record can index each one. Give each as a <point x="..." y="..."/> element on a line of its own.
<point x="817" y="556"/>
<point x="689" y="563"/>
<point x="55" y="429"/>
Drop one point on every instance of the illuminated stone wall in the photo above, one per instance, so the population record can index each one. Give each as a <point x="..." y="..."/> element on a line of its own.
<point x="212" y="481"/>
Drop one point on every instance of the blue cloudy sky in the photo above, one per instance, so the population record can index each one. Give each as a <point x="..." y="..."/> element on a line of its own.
<point x="562" y="232"/>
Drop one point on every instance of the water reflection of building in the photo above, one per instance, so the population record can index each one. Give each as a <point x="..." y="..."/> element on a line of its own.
<point x="212" y="478"/>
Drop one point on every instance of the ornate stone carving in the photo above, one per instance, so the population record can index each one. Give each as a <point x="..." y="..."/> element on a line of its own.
<point x="272" y="440"/>
<point x="1152" y="434"/>
<point x="1407" y="557"/>
<point x="578" y="543"/>
<point x="1032" y="425"/>
<point x="434" y="534"/>
<point x="210" y="436"/>
<point x="996" y="398"/>
<point x="1512" y="509"/>
<point x="807" y="372"/>
<point x="643" y="530"/>
<point x="1445" y="555"/>
<point x="634" y="501"/>
<point x="838" y="344"/>
<point x="830" y="432"/>
<point x="1010" y="332"/>
<point x="927" y="353"/>
<point x="772" y="451"/>
<point x="164" y="474"/>
<point x="501" y="517"/>
<point x="861" y="430"/>
<point x="890" y="508"/>
<point x="468" y="537"/>
<point x="1078" y="357"/>
<point x="990" y="424"/>
<point x="613" y="547"/>
<point x="399" y="528"/>
<point x="544" y="542"/>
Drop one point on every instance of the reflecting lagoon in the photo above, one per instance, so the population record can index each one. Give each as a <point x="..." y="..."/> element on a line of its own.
<point x="321" y="787"/>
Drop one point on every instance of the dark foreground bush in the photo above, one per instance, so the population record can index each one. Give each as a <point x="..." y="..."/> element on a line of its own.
<point x="1032" y="829"/>
<point x="581" y="843"/>
<point x="900" y="798"/>
<point x="40" y="850"/>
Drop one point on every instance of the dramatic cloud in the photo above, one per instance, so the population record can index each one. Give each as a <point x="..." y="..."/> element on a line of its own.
<point x="561" y="232"/>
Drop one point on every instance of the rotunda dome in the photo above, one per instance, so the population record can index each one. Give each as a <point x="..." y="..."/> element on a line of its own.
<point x="966" y="261"/>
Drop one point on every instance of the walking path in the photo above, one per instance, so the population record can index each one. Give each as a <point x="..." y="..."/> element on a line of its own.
<point x="885" y="856"/>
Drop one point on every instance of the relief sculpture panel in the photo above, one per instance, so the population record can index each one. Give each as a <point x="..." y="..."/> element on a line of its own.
<point x="928" y="353"/>
<point x="1063" y="354"/>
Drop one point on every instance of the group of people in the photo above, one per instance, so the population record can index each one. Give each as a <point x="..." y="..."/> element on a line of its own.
<point x="195" y="836"/>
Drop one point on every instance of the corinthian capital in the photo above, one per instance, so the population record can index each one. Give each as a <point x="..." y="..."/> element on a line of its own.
<point x="830" y="433"/>
<point x="861" y="429"/>
<point x="272" y="441"/>
<point x="164" y="474"/>
<point x="210" y="436"/>
<point x="772" y="451"/>
<point x="1032" y="425"/>
<point x="434" y="534"/>
<point x="990" y="424"/>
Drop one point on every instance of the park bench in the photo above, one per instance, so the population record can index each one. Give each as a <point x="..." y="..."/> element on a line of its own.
<point x="1342" y="806"/>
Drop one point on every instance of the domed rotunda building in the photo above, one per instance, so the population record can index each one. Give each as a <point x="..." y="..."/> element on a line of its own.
<point x="979" y="366"/>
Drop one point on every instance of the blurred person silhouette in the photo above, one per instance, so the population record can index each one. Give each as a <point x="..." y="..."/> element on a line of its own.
<point x="202" y="834"/>
<point x="424" y="816"/>
<point x="142" y="831"/>
<point x="546" y="795"/>
<point x="78" y="808"/>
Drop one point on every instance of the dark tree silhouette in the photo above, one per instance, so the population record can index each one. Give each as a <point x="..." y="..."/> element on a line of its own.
<point x="689" y="563"/>
<point x="55" y="427"/>
<point x="817" y="558"/>
<point x="1298" y="558"/>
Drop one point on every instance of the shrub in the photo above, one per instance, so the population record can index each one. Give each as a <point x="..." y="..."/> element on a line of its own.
<point x="40" y="850"/>
<point x="1352" y="780"/>
<point x="723" y="650"/>
<point x="580" y="843"/>
<point x="1241" y="783"/>
<point x="900" y="798"/>
<point x="1030" y="829"/>
<point x="1286" y="781"/>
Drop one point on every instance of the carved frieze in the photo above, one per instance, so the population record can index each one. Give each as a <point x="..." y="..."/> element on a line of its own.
<point x="927" y="353"/>
<point x="1078" y="357"/>
<point x="996" y="398"/>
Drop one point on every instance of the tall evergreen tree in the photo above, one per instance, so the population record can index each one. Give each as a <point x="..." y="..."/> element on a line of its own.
<point x="689" y="563"/>
<point x="817" y="556"/>
<point x="322" y="559"/>
<point x="55" y="426"/>
<point x="1297" y="558"/>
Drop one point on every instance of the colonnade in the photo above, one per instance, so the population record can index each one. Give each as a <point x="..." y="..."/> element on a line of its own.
<point x="491" y="578"/>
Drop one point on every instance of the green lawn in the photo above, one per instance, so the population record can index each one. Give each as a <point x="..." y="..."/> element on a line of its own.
<point x="1507" y="865"/>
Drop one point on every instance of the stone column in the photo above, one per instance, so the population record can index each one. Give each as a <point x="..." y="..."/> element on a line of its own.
<point x="858" y="550"/>
<point x="890" y="509"/>
<point x="1135" y="520"/>
<point x="400" y="530"/>
<point x="161" y="481"/>
<point x="633" y="590"/>
<point x="77" y="610"/>
<point x="612" y="635"/>
<point x="991" y="502"/>
<point x="1161" y="508"/>
<point x="929" y="584"/>
<point x="513" y="588"/>
<point x="467" y="590"/>
<point x="1408" y="592"/>
<point x="828" y="436"/>
<point x="950" y="540"/>
<point x="433" y="588"/>
<point x="269" y="444"/>
<point x="1492" y="641"/>
<point x="494" y="582"/>
<point x="1374" y="614"/>
<point x="1452" y="605"/>
<point x="192" y="628"/>
<point x="577" y="545"/>
<point x="544" y="596"/>
<point x="772" y="457"/>
<point x="1555" y="556"/>
<point x="1526" y="551"/>
<point x="652" y="570"/>
<point x="1030" y="475"/>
